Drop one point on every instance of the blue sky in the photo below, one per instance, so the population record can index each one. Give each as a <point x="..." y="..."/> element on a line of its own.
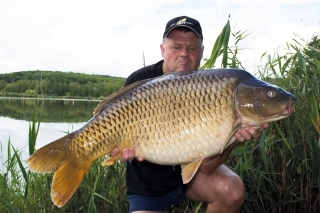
<point x="104" y="37"/>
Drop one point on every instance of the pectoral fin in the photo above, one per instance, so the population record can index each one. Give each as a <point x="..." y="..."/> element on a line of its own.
<point x="231" y="137"/>
<point x="189" y="170"/>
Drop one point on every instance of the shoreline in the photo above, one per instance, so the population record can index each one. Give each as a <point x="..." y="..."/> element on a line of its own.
<point x="60" y="99"/>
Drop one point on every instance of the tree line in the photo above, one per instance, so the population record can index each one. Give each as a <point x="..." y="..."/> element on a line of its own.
<point x="40" y="83"/>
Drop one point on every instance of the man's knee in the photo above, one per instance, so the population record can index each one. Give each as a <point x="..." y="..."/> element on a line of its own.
<point x="231" y="190"/>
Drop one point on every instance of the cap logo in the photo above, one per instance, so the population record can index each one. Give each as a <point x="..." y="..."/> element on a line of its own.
<point x="182" y="22"/>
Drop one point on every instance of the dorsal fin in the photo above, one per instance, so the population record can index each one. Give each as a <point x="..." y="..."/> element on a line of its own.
<point x="117" y="94"/>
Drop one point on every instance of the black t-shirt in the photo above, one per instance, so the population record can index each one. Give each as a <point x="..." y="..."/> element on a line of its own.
<point x="146" y="178"/>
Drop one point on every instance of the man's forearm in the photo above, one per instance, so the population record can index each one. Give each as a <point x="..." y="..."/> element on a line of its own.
<point x="211" y="163"/>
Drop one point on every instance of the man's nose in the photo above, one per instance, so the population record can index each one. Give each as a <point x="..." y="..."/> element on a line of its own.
<point x="184" y="51"/>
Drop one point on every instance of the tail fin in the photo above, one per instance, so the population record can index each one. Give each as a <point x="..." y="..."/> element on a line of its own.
<point x="55" y="157"/>
<point x="66" y="180"/>
<point x="51" y="156"/>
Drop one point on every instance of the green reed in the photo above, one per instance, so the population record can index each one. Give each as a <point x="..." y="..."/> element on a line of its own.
<point x="281" y="169"/>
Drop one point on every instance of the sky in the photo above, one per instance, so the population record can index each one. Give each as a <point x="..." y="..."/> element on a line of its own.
<point x="112" y="37"/>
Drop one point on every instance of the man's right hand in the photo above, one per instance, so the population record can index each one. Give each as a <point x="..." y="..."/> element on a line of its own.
<point x="128" y="154"/>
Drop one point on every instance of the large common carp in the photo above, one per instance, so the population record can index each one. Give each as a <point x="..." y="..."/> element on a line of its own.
<point x="178" y="118"/>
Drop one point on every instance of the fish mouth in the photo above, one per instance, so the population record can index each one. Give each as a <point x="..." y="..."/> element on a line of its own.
<point x="289" y="109"/>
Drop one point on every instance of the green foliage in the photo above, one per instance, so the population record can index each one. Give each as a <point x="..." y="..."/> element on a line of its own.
<point x="61" y="84"/>
<point x="220" y="48"/>
<point x="281" y="169"/>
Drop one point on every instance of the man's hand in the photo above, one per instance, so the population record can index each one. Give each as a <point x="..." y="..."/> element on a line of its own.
<point x="128" y="154"/>
<point x="247" y="133"/>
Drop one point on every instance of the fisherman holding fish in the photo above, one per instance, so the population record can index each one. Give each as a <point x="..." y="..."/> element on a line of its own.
<point x="175" y="125"/>
<point x="155" y="188"/>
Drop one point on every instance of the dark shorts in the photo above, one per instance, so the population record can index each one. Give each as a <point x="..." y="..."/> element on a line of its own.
<point x="162" y="203"/>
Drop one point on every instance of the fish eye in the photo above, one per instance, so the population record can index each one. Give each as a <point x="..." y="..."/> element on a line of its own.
<point x="272" y="93"/>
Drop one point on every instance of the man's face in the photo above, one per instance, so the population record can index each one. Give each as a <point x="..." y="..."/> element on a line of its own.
<point x="181" y="51"/>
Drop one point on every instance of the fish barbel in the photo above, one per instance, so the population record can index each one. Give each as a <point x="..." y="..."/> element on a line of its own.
<point x="178" y="118"/>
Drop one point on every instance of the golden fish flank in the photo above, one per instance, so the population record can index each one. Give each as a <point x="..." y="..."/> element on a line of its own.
<point x="178" y="118"/>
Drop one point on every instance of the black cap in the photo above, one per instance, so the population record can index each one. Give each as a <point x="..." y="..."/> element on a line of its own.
<point x="183" y="21"/>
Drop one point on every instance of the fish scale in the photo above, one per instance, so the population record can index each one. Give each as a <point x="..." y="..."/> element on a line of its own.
<point x="178" y="118"/>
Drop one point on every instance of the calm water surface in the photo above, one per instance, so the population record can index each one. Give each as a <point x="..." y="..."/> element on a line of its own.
<point x="57" y="117"/>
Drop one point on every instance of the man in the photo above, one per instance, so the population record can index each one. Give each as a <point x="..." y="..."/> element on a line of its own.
<point x="154" y="188"/>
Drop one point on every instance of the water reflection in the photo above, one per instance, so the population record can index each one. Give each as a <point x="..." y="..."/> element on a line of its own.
<point x="57" y="117"/>
<point x="48" y="110"/>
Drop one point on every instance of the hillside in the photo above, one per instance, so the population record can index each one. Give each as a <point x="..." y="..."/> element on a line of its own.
<point x="40" y="83"/>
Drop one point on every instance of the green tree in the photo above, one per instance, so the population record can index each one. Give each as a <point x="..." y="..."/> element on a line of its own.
<point x="3" y="84"/>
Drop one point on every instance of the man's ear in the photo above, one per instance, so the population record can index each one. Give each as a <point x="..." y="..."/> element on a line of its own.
<point x="162" y="50"/>
<point x="202" y="51"/>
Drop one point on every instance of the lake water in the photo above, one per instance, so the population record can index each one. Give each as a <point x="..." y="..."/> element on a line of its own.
<point x="57" y="118"/>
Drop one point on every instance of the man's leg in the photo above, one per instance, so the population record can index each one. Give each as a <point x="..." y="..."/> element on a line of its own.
<point x="222" y="189"/>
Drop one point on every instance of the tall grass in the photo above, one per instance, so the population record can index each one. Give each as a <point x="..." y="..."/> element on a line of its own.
<point x="281" y="169"/>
